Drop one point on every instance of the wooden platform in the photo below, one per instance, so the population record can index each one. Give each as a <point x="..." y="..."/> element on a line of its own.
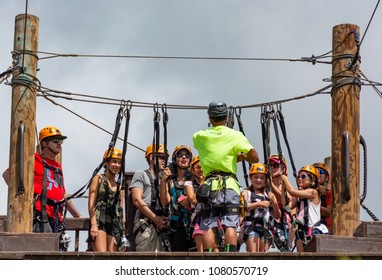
<point x="365" y="244"/>
<point x="14" y="242"/>
<point x="186" y="256"/>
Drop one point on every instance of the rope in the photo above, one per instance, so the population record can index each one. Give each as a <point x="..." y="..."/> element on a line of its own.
<point x="280" y="117"/>
<point x="54" y="55"/>
<point x="240" y="124"/>
<point x="117" y="127"/>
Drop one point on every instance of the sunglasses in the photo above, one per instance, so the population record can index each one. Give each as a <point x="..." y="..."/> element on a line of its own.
<point x="57" y="141"/>
<point x="274" y="165"/>
<point x="303" y="177"/>
<point x="180" y="155"/>
<point x="161" y="157"/>
<point x="322" y="172"/>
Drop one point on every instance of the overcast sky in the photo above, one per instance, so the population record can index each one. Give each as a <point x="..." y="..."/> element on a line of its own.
<point x="216" y="28"/>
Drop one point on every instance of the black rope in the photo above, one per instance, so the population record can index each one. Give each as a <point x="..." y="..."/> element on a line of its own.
<point x="155" y="144"/>
<point x="230" y="117"/>
<point x="121" y="176"/>
<point x="275" y="127"/>
<point x="280" y="117"/>
<point x="165" y="121"/>
<point x="265" y="125"/>
<point x="363" y="143"/>
<point x="363" y="196"/>
<point x="118" y="122"/>
<point x="264" y="120"/>
<point x="237" y="112"/>
<point x="155" y="148"/>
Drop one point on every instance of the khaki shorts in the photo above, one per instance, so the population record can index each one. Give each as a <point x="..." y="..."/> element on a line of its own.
<point x="148" y="240"/>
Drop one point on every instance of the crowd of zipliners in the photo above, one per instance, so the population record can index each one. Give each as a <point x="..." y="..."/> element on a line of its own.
<point x="195" y="203"/>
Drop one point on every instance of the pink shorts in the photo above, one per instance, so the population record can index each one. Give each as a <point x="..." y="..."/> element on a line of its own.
<point x="197" y="230"/>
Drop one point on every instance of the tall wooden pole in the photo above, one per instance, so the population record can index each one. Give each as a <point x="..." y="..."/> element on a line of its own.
<point x="345" y="130"/>
<point x="23" y="123"/>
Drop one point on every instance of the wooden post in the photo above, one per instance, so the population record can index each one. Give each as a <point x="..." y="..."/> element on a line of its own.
<point x="345" y="131"/>
<point x="23" y="123"/>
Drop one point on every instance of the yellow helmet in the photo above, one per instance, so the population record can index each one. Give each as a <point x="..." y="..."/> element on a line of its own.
<point x="50" y="131"/>
<point x="113" y="153"/>
<point x="178" y="148"/>
<point x="310" y="169"/>
<point x="323" y="166"/>
<point x="150" y="150"/>
<point x="258" y="168"/>
<point x="194" y="160"/>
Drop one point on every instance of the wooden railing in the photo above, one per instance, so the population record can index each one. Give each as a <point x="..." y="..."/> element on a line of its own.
<point x="77" y="225"/>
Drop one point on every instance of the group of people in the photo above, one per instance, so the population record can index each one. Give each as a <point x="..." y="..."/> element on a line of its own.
<point x="199" y="205"/>
<point x="194" y="203"/>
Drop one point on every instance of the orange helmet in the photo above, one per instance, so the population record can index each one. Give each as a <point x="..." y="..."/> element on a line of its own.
<point x="310" y="169"/>
<point x="323" y="166"/>
<point x="181" y="147"/>
<point x="113" y="153"/>
<point x="50" y="131"/>
<point x="150" y="150"/>
<point x="258" y="168"/>
<point x="276" y="158"/>
<point x="194" y="160"/>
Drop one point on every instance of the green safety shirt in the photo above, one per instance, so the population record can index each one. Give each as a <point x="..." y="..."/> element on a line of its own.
<point x="218" y="148"/>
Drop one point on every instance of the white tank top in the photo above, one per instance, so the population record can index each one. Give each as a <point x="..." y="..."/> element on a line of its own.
<point x="314" y="213"/>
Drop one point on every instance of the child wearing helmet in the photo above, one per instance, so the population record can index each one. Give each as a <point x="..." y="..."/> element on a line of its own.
<point x="284" y="233"/>
<point x="190" y="188"/>
<point x="262" y="210"/>
<point x="326" y="193"/>
<point x="173" y="195"/>
<point x="307" y="200"/>
<point x="103" y="209"/>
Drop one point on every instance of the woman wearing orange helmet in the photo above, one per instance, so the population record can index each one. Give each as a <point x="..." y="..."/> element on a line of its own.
<point x="102" y="207"/>
<point x="307" y="200"/>
<point x="262" y="210"/>
<point x="173" y="195"/>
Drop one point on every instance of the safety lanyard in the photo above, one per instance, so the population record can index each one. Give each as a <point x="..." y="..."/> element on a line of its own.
<point x="118" y="122"/>
<point x="240" y="124"/>
<point x="165" y="121"/>
<point x="265" y="118"/>
<point x="280" y="118"/>
<point x="121" y="176"/>
<point x="155" y="145"/>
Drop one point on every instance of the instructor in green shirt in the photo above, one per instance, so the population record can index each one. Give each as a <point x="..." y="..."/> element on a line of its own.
<point x="220" y="149"/>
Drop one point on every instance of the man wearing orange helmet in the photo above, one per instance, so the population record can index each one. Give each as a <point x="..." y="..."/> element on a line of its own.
<point x="220" y="148"/>
<point x="49" y="188"/>
<point x="51" y="140"/>
<point x="149" y="218"/>
<point x="105" y="204"/>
